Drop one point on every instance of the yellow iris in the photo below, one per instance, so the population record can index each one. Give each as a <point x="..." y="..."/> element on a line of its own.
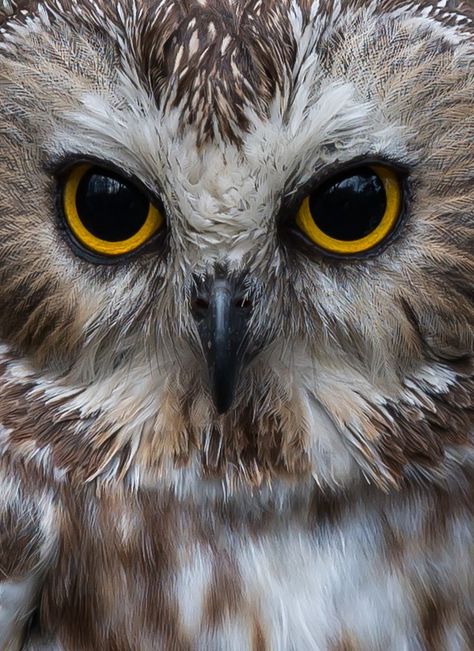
<point x="150" y="222"/>
<point x="308" y="222"/>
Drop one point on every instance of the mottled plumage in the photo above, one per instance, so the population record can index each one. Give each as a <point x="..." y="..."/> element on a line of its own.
<point x="330" y="508"/>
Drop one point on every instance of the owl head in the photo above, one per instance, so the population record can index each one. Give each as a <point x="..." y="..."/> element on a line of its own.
<point x="236" y="238"/>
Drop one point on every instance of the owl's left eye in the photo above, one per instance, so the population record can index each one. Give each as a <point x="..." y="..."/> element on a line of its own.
<point x="106" y="213"/>
<point x="353" y="212"/>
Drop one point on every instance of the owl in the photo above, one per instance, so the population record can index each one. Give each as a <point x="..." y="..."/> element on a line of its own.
<point x="236" y="325"/>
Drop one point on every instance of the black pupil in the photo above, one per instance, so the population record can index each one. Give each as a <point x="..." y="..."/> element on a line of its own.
<point x="111" y="208"/>
<point x="351" y="206"/>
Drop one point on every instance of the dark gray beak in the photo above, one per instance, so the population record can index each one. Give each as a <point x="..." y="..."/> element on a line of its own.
<point x="222" y="314"/>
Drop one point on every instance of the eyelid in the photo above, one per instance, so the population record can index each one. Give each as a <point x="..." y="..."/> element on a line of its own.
<point x="293" y="199"/>
<point x="61" y="168"/>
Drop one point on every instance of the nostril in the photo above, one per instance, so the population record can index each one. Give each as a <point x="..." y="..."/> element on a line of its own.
<point x="200" y="305"/>
<point x="243" y="303"/>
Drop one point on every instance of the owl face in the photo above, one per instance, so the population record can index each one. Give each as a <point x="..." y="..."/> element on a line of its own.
<point x="236" y="237"/>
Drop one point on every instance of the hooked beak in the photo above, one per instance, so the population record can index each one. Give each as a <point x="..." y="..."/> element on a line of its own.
<point x="222" y="314"/>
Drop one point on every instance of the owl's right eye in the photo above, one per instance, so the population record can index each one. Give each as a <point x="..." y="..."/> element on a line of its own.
<point x="106" y="213"/>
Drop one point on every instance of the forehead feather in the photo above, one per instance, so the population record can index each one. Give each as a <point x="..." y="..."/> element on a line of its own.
<point x="223" y="61"/>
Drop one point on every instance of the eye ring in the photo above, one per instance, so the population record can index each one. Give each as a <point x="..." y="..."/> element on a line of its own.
<point x="393" y="192"/>
<point x="153" y="221"/>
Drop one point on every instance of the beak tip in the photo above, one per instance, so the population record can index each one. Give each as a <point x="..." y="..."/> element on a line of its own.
<point x="222" y="410"/>
<point x="223" y="401"/>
